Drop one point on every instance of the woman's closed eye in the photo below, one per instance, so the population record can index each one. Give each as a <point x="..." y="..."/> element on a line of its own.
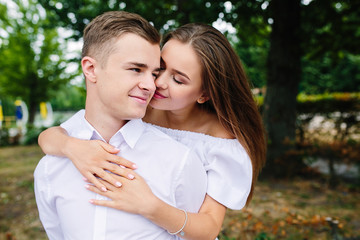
<point x="177" y="80"/>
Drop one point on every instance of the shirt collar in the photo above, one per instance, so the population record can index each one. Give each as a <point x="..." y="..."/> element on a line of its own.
<point x="132" y="131"/>
<point x="77" y="126"/>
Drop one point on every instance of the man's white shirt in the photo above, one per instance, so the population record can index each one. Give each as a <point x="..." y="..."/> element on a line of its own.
<point x="173" y="172"/>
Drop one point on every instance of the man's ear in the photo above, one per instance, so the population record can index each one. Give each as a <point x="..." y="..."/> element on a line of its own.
<point x="203" y="98"/>
<point x="88" y="65"/>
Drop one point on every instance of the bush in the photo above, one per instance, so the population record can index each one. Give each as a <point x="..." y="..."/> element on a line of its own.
<point x="4" y="137"/>
<point x="328" y="103"/>
<point x="32" y="134"/>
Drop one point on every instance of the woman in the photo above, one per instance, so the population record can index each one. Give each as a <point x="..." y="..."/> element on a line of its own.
<point x="203" y="100"/>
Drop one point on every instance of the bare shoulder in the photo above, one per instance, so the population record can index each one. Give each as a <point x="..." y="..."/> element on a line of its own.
<point x="218" y="130"/>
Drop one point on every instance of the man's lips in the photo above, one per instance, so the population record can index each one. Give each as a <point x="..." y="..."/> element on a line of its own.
<point x="140" y="99"/>
<point x="158" y="95"/>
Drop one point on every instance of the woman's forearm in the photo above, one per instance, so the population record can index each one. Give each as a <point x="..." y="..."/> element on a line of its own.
<point x="203" y="225"/>
<point x="91" y="158"/>
<point x="53" y="140"/>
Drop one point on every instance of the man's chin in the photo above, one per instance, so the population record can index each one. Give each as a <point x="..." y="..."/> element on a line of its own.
<point x="136" y="116"/>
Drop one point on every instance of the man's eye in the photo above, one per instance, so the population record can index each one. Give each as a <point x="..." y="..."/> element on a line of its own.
<point x="155" y="75"/>
<point x="135" y="69"/>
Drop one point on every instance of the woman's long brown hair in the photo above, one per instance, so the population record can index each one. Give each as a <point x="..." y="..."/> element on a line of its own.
<point x="226" y="84"/>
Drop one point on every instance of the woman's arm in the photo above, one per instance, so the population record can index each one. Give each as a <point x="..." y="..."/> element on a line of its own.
<point x="136" y="197"/>
<point x="91" y="157"/>
<point x="206" y="224"/>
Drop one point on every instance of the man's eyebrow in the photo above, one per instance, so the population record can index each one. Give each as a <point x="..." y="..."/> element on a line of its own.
<point x="140" y="65"/>
<point x="143" y="65"/>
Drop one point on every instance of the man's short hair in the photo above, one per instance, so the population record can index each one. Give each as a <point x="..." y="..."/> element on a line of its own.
<point x="102" y="32"/>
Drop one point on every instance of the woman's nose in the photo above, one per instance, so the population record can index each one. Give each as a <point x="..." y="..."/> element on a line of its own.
<point x="161" y="81"/>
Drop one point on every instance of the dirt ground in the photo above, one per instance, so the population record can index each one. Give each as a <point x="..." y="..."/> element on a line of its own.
<point x="292" y="209"/>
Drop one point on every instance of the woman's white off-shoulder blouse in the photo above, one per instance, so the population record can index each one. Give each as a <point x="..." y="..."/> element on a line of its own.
<point x="228" y="166"/>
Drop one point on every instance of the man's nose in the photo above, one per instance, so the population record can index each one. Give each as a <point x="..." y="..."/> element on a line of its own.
<point x="148" y="83"/>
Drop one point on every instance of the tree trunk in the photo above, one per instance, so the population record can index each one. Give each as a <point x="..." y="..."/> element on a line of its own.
<point x="33" y="99"/>
<point x="32" y="112"/>
<point x="283" y="77"/>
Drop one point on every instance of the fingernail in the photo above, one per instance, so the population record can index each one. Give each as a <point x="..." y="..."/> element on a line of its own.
<point x="87" y="186"/>
<point x="91" y="201"/>
<point x="103" y="189"/>
<point x="122" y="166"/>
<point x="134" y="166"/>
<point x="116" y="149"/>
<point x="85" y="179"/>
<point x="131" y="176"/>
<point x="118" y="184"/>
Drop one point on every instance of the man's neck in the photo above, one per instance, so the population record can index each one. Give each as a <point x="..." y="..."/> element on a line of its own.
<point x="104" y="124"/>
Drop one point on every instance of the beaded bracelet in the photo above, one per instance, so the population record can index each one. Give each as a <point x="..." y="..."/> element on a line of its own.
<point x="182" y="228"/>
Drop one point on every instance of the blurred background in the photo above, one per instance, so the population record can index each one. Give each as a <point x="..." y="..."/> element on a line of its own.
<point x="303" y="61"/>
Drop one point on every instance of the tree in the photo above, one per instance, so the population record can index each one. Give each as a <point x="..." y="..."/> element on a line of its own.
<point x="331" y="49"/>
<point x="283" y="78"/>
<point x="292" y="30"/>
<point x="164" y="14"/>
<point x="32" y="65"/>
<point x="323" y="75"/>
<point x="299" y="31"/>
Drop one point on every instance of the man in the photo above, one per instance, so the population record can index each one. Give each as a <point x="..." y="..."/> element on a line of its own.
<point x="120" y="61"/>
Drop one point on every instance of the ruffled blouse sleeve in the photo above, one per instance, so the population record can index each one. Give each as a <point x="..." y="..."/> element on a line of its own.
<point x="229" y="172"/>
<point x="228" y="166"/>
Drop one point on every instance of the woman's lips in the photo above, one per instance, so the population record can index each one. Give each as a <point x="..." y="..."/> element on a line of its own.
<point x="158" y="95"/>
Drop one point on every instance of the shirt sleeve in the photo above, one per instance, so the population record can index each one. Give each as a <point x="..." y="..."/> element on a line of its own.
<point x="229" y="174"/>
<point x="45" y="201"/>
<point x="191" y="184"/>
<point x="74" y="120"/>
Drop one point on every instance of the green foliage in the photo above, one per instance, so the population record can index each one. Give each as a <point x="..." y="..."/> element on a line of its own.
<point x="4" y="137"/>
<point x="262" y="236"/>
<point x="328" y="103"/>
<point x="224" y="237"/>
<point x="8" y="106"/>
<point x="69" y="97"/>
<point x="327" y="47"/>
<point x="163" y="14"/>
<point x="323" y="75"/>
<point x="330" y="27"/>
<point x="254" y="61"/>
<point x="33" y="64"/>
<point x="324" y="103"/>
<point x="322" y="22"/>
<point x="32" y="135"/>
<point x="250" y="19"/>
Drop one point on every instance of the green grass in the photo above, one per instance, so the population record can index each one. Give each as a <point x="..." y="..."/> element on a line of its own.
<point x="18" y="213"/>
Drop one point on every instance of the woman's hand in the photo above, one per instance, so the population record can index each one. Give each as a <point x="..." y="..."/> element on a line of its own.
<point x="94" y="158"/>
<point x="135" y="196"/>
